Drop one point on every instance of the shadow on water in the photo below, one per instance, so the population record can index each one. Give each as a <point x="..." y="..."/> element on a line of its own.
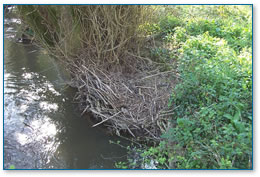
<point x="43" y="129"/>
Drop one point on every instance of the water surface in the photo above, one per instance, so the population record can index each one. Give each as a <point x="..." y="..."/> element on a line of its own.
<point x="43" y="128"/>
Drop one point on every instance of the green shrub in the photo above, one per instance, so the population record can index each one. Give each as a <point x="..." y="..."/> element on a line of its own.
<point x="212" y="122"/>
<point x="168" y="24"/>
<point x="150" y="28"/>
<point x="157" y="154"/>
<point x="199" y="26"/>
<point x="180" y="34"/>
<point x="211" y="127"/>
<point x="231" y="23"/>
<point x="161" y="54"/>
<point x="238" y="36"/>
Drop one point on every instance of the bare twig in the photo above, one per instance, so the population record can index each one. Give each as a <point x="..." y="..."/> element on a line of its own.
<point x="104" y="119"/>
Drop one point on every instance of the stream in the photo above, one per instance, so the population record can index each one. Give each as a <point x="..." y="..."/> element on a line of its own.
<point x="43" y="128"/>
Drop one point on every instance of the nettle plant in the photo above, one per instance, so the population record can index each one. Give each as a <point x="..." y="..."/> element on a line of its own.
<point x="212" y="126"/>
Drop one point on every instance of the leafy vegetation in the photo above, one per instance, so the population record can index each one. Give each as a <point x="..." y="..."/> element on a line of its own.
<point x="212" y="124"/>
<point x="11" y="167"/>
<point x="211" y="127"/>
<point x="211" y="49"/>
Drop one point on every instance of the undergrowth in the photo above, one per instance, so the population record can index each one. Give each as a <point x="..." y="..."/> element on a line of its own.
<point x="211" y="49"/>
<point x="211" y="127"/>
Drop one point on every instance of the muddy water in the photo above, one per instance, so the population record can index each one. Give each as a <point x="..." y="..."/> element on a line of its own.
<point x="43" y="128"/>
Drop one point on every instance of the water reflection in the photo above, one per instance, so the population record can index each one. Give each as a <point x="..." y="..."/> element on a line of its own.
<point x="12" y="20"/>
<point x="27" y="121"/>
<point x="42" y="128"/>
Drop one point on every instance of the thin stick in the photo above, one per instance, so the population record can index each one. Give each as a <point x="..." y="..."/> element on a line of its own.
<point x="160" y="73"/>
<point x="104" y="116"/>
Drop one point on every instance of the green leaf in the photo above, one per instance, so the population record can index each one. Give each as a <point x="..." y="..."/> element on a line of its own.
<point x="12" y="167"/>
<point x="228" y="116"/>
<point x="237" y="115"/>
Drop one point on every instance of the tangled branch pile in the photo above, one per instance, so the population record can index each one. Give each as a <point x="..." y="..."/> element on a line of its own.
<point x="131" y="96"/>
<point x="97" y="44"/>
